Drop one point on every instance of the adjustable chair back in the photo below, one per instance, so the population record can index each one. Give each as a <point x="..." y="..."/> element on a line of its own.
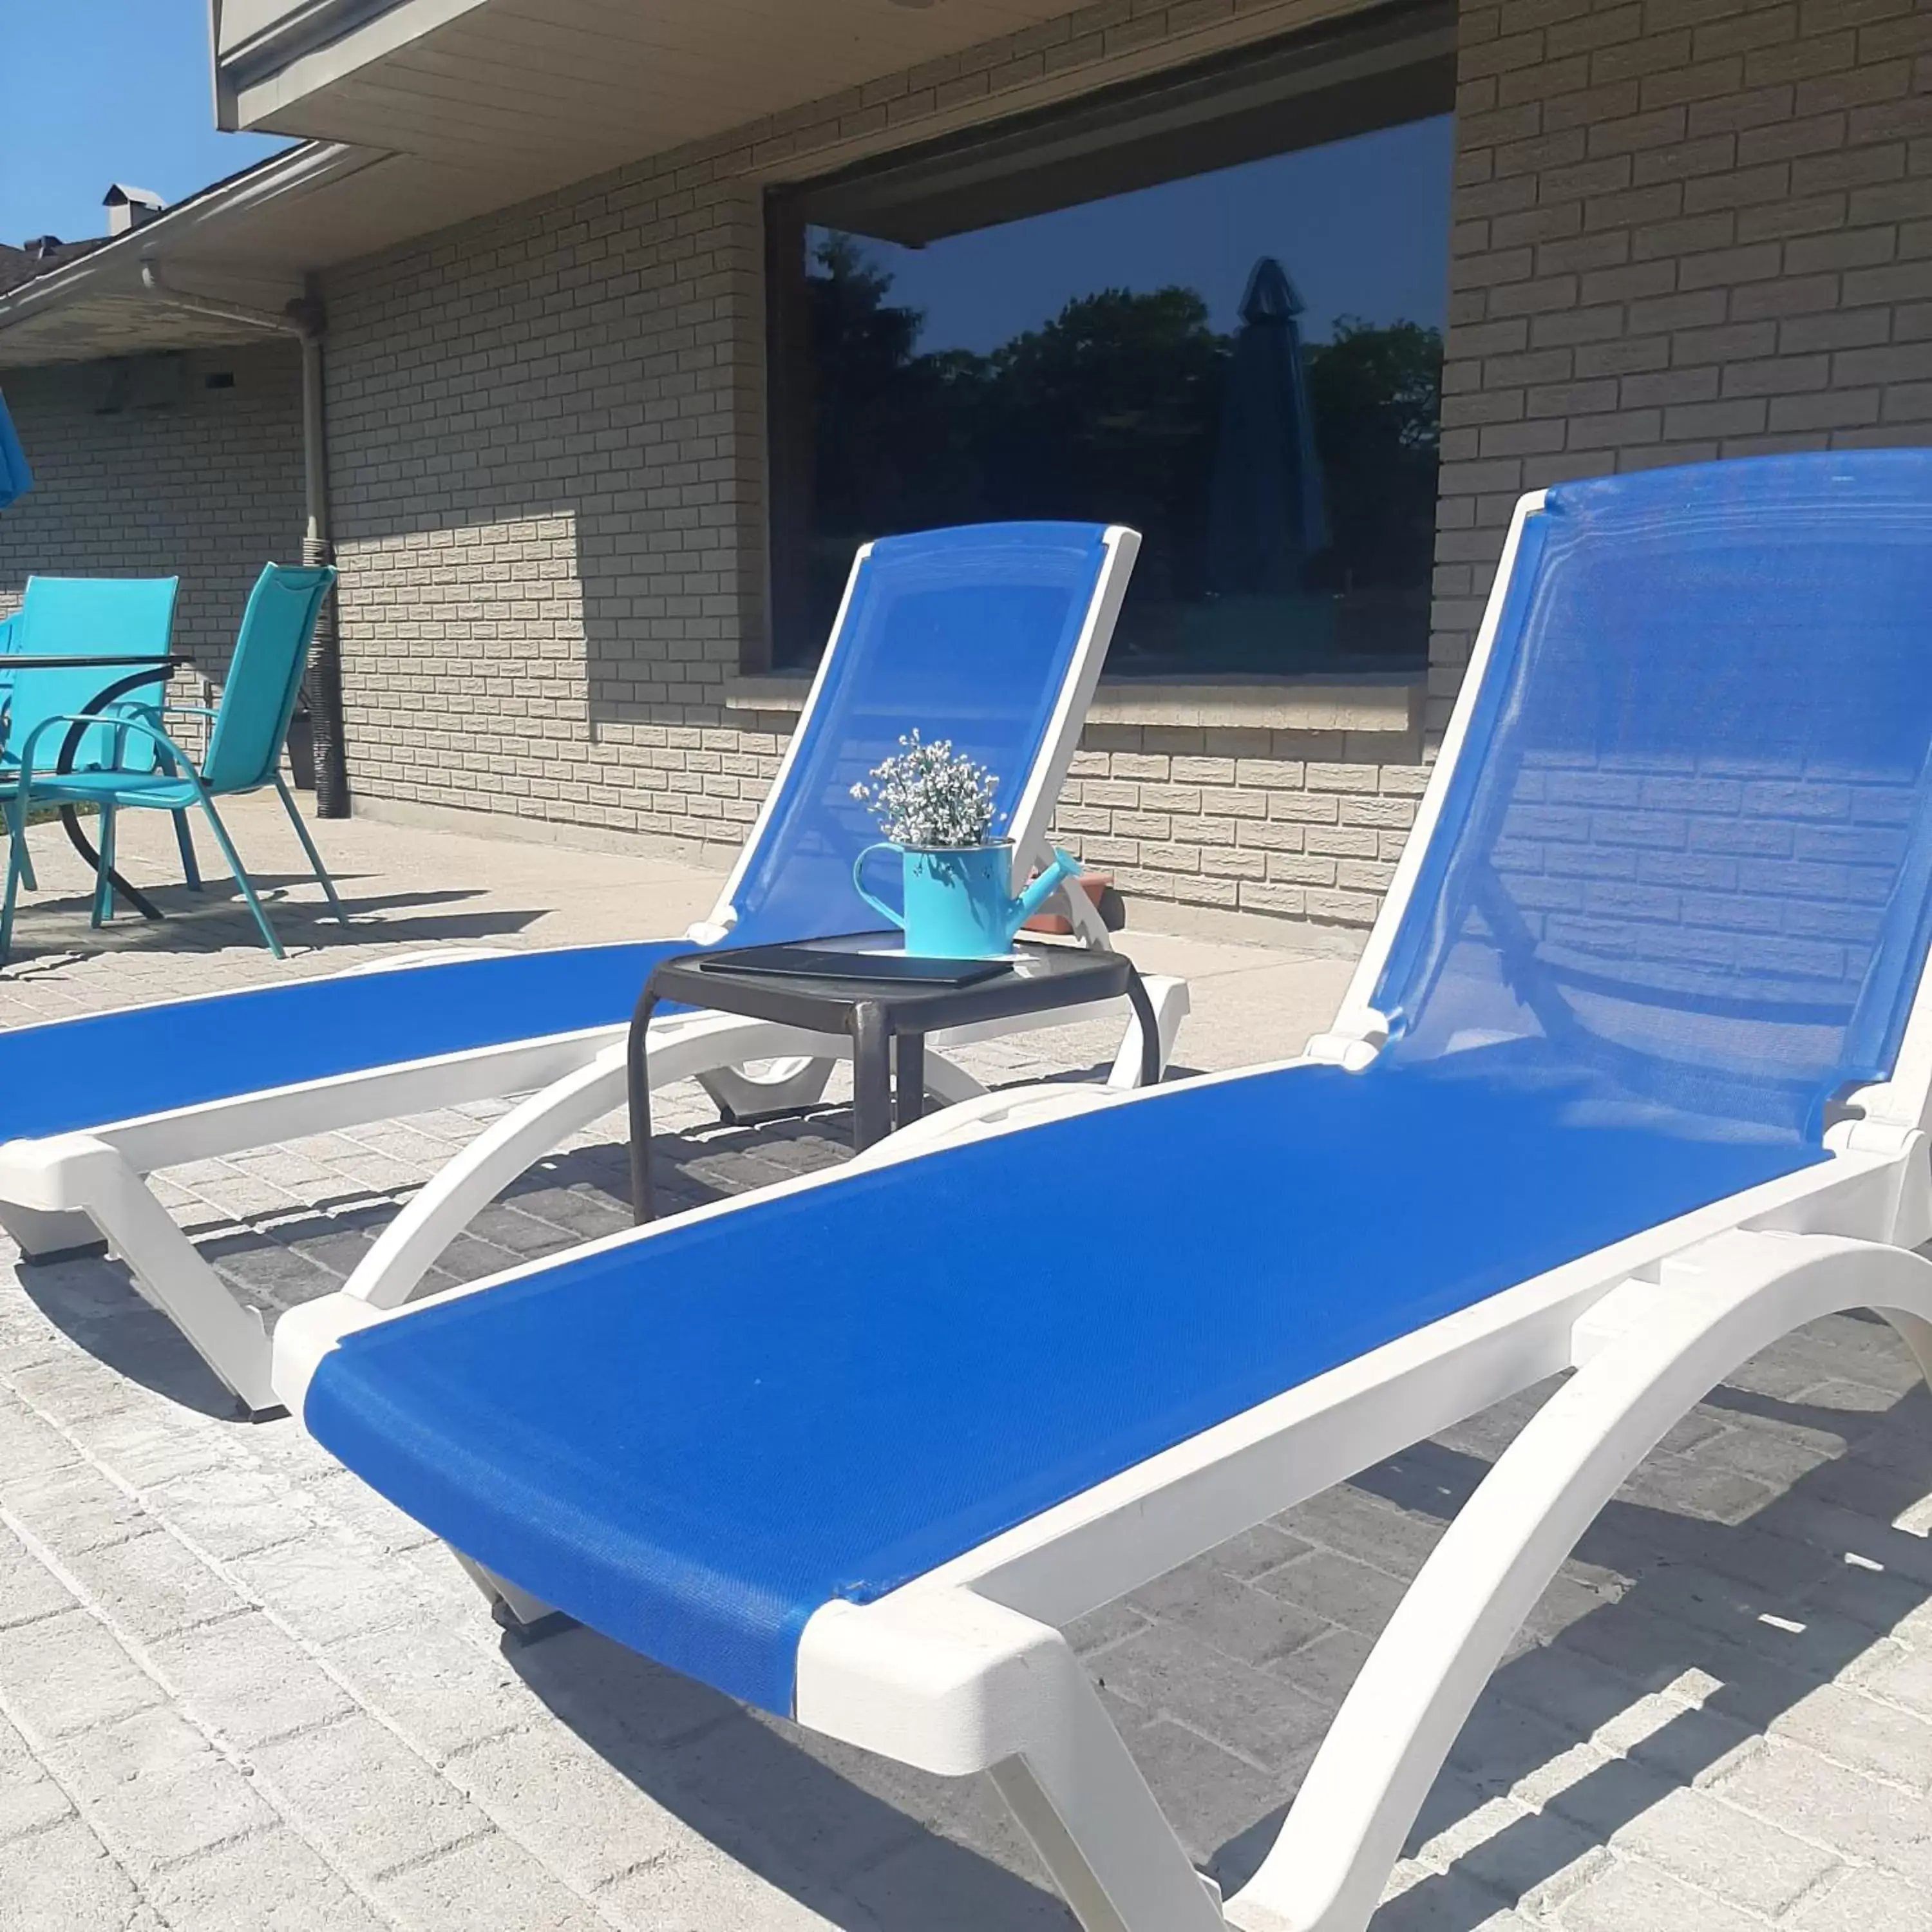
<point x="1683" y="854"/>
<point x="264" y="675"/>
<point x="993" y="634"/>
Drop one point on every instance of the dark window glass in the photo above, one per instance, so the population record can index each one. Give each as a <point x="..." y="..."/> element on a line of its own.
<point x="1244" y="363"/>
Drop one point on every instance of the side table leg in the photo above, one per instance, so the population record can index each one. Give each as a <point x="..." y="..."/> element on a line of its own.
<point x="871" y="1076"/>
<point x="638" y="1085"/>
<point x="909" y="1048"/>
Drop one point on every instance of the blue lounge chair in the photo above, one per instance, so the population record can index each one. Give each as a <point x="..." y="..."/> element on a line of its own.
<point x="72" y="616"/>
<point x="1634" y="1079"/>
<point x="142" y="767"/>
<point x="994" y="636"/>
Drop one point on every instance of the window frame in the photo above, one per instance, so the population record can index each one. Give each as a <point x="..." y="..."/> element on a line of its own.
<point x="1389" y="67"/>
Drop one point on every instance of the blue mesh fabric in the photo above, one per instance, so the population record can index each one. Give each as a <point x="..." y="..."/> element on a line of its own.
<point x="1686" y="851"/>
<point x="968" y="634"/>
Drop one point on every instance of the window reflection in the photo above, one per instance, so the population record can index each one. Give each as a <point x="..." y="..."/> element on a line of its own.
<point x="1161" y="359"/>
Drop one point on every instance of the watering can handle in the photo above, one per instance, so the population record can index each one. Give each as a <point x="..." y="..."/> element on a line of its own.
<point x="859" y="885"/>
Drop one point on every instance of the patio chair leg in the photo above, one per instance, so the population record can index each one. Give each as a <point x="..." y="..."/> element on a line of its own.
<point x="184" y="839"/>
<point x="247" y="885"/>
<point x="103" y="875"/>
<point x="17" y="855"/>
<point x="16" y="823"/>
<point x="308" y="846"/>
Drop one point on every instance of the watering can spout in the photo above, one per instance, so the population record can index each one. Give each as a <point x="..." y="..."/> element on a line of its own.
<point x="1043" y="888"/>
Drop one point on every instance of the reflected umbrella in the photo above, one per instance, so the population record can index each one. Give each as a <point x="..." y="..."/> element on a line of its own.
<point x="1267" y="515"/>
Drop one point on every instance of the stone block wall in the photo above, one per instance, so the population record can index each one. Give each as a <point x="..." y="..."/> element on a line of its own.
<point x="1682" y="229"/>
<point x="1685" y="230"/>
<point x="547" y="439"/>
<point x="145" y="469"/>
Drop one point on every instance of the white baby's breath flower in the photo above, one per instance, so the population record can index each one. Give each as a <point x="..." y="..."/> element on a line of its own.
<point x="929" y="796"/>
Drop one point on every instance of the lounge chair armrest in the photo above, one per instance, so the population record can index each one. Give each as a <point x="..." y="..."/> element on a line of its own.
<point x="1006" y="1111"/>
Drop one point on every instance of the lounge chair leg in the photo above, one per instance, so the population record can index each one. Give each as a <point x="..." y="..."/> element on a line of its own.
<point x="76" y="1168"/>
<point x="233" y="860"/>
<point x="527" y="1618"/>
<point x="947" y="1083"/>
<point x="953" y="1682"/>
<point x="43" y="1236"/>
<point x="1649" y="1351"/>
<point x="185" y="842"/>
<point x="308" y="845"/>
<point x="1169" y="999"/>
<point x="792" y="1085"/>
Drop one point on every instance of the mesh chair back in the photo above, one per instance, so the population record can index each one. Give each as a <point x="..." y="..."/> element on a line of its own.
<point x="264" y="677"/>
<point x="1685" y="859"/>
<point x="970" y="634"/>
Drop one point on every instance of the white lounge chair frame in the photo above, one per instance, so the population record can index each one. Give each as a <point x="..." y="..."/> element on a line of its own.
<point x="965" y="1669"/>
<point x="71" y="1191"/>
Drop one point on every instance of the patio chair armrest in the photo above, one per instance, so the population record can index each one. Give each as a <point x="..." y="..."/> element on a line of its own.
<point x="109" y="715"/>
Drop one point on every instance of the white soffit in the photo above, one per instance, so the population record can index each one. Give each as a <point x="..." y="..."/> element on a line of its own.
<point x="572" y="88"/>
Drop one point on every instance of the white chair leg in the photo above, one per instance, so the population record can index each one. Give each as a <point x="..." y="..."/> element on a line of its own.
<point x="1650" y="1351"/>
<point x="42" y="1236"/>
<point x="83" y="1172"/>
<point x="948" y="1082"/>
<point x="1105" y="1843"/>
<point x="510" y="1606"/>
<point x="787" y="1086"/>
<point x="1171" y="1001"/>
<point x="953" y="1682"/>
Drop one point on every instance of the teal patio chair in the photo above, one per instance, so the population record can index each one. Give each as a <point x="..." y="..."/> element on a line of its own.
<point x="124" y="616"/>
<point x="148" y="770"/>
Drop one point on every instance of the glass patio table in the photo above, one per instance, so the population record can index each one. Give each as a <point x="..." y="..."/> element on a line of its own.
<point x="139" y="670"/>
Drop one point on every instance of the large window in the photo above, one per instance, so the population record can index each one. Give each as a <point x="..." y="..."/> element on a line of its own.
<point x="1213" y="312"/>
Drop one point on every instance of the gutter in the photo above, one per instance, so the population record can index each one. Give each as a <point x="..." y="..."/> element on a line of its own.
<point x="303" y="319"/>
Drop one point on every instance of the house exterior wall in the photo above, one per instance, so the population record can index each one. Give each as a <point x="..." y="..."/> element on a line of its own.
<point x="1682" y="229"/>
<point x="177" y="479"/>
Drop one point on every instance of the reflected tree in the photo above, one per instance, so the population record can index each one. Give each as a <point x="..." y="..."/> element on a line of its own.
<point x="1110" y="412"/>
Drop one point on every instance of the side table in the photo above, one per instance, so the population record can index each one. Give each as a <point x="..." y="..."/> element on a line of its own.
<point x="886" y="1020"/>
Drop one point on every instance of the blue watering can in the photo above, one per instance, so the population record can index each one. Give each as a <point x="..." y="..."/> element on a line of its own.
<point x="958" y="904"/>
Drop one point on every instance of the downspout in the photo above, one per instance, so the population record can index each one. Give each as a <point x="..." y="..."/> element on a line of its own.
<point x="303" y="320"/>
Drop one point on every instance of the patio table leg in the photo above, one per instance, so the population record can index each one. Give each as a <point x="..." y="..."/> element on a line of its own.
<point x="871" y="1076"/>
<point x="909" y="1057"/>
<point x="638" y="1086"/>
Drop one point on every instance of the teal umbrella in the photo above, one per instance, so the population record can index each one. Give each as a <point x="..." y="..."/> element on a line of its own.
<point x="16" y="478"/>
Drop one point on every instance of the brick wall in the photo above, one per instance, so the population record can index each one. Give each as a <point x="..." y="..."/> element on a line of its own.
<point x="175" y="479"/>
<point x="1682" y="229"/>
<point x="547" y="451"/>
<point x="1685" y="230"/>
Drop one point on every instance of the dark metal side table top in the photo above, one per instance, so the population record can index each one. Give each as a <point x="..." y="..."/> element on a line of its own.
<point x="885" y="1019"/>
